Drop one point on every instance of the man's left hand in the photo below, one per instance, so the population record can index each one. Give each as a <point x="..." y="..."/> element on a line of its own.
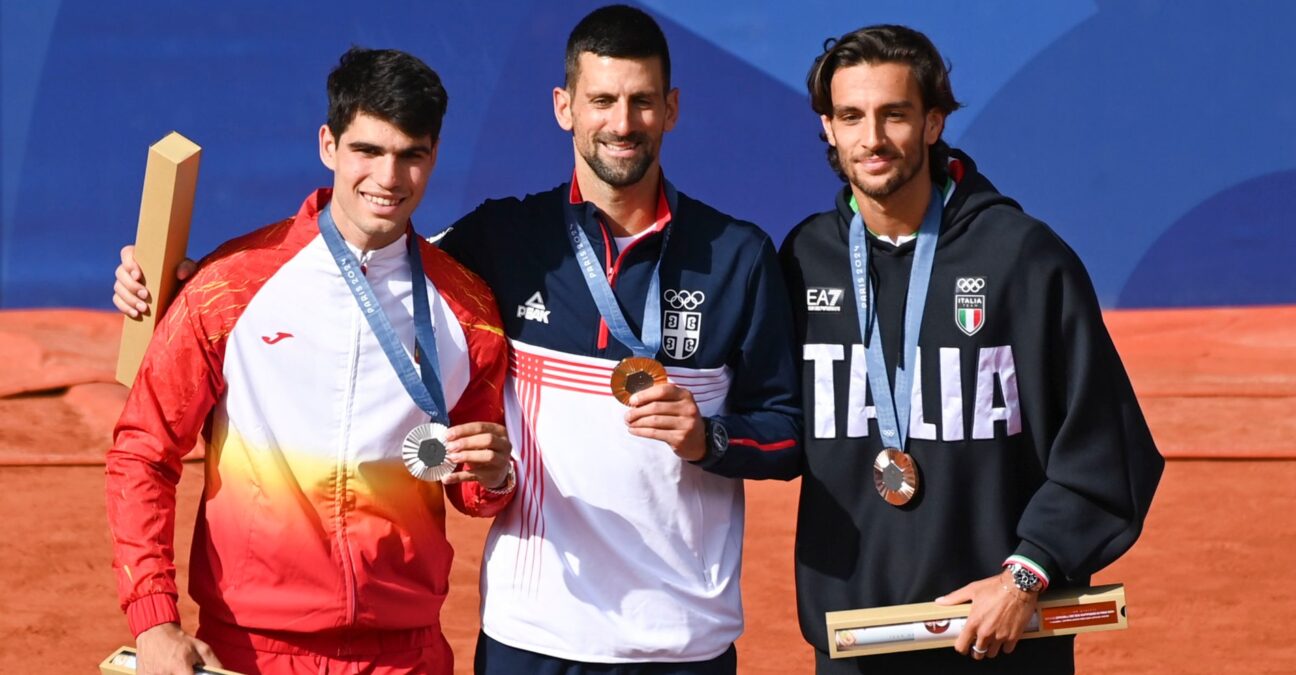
<point x="484" y="451"/>
<point x="1000" y="612"/>
<point x="668" y="413"/>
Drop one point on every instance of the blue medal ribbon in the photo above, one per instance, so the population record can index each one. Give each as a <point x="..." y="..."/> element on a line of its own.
<point x="597" y="281"/>
<point x="893" y="405"/>
<point x="424" y="386"/>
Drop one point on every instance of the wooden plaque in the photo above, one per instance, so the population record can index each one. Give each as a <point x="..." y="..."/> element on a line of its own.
<point x="927" y="625"/>
<point x="165" y="210"/>
<point x="122" y="662"/>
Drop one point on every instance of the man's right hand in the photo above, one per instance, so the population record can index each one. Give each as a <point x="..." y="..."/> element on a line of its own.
<point x="129" y="294"/>
<point x="165" y="650"/>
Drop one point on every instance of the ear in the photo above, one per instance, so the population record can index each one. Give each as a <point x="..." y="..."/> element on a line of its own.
<point x="672" y="108"/>
<point x="562" y="100"/>
<point x="935" y="125"/>
<point x="327" y="147"/>
<point x="828" y="130"/>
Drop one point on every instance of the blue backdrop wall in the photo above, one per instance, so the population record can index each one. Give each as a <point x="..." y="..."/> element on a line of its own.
<point x="1157" y="136"/>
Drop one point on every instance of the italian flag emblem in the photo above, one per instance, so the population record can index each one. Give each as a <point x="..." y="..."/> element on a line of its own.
<point x="969" y="313"/>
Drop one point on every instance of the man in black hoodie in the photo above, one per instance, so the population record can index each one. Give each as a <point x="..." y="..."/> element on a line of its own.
<point x="971" y="433"/>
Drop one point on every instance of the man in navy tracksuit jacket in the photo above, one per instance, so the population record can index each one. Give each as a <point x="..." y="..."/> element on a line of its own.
<point x="624" y="543"/>
<point x="732" y="350"/>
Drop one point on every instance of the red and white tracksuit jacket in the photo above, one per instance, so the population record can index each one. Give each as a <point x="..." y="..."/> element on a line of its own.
<point x="309" y="521"/>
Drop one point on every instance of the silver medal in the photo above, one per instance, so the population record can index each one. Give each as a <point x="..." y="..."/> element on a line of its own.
<point x="424" y="452"/>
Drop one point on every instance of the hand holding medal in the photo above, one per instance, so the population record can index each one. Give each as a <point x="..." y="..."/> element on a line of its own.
<point x="484" y="450"/>
<point x="669" y="414"/>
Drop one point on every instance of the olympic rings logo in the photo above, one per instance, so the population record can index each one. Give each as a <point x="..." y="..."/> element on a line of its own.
<point x="970" y="284"/>
<point x="684" y="299"/>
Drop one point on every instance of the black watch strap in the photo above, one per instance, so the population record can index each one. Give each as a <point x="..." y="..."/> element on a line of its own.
<point x="717" y="442"/>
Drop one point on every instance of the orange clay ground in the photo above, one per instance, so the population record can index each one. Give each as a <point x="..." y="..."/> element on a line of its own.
<point x="1209" y="585"/>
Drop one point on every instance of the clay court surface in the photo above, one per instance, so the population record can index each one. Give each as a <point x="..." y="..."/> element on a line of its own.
<point x="1209" y="585"/>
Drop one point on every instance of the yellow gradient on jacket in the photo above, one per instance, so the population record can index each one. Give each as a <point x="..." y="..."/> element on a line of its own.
<point x="277" y="504"/>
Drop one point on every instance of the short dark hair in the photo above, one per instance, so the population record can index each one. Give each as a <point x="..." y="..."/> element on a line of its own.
<point x="391" y="85"/>
<point x="618" y="31"/>
<point x="885" y="43"/>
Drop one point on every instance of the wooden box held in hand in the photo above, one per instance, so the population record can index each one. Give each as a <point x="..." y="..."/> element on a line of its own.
<point x="927" y="625"/>
<point x="122" y="662"/>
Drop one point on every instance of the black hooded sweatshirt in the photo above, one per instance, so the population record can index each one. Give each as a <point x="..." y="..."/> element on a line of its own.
<point x="1030" y="440"/>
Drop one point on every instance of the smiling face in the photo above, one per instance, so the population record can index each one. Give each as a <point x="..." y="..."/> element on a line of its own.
<point x="379" y="175"/>
<point x="880" y="130"/>
<point x="618" y="110"/>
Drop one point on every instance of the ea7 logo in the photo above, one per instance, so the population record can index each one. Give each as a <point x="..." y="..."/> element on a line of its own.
<point x="824" y="299"/>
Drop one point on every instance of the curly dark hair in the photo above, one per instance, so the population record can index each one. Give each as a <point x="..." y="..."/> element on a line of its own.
<point x="885" y="43"/>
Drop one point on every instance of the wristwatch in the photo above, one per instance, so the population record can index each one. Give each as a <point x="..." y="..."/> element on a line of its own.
<point x="717" y="442"/>
<point x="1025" y="579"/>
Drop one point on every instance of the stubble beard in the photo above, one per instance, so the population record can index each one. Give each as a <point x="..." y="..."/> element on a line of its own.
<point x="892" y="184"/>
<point x="623" y="172"/>
<point x="901" y="177"/>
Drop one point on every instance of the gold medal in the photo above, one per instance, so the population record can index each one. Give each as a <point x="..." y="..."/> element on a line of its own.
<point x="896" y="476"/>
<point x="635" y="374"/>
<point x="424" y="452"/>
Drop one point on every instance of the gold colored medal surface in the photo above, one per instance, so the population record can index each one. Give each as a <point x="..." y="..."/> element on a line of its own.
<point x="635" y="374"/>
<point x="896" y="476"/>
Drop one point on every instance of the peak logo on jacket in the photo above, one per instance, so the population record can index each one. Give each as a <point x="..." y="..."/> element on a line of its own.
<point x="994" y="394"/>
<point x="681" y="325"/>
<point x="534" y="309"/>
<point x="969" y="304"/>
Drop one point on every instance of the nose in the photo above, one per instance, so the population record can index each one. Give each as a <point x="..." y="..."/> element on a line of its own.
<point x="384" y="171"/>
<point x="874" y="135"/>
<point x="621" y="121"/>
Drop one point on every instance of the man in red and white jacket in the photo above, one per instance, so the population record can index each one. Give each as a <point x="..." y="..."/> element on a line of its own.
<point x="314" y="548"/>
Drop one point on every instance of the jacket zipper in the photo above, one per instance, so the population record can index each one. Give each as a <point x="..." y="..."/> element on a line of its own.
<point x="341" y="504"/>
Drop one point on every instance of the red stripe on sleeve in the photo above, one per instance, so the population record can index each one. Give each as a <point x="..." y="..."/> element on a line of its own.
<point x="768" y="447"/>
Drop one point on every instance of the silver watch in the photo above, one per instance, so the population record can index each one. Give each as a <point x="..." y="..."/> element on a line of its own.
<point x="1025" y="579"/>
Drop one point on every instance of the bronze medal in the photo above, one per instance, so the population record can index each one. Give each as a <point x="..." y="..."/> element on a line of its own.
<point x="896" y="476"/>
<point x="424" y="452"/>
<point x="635" y="374"/>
